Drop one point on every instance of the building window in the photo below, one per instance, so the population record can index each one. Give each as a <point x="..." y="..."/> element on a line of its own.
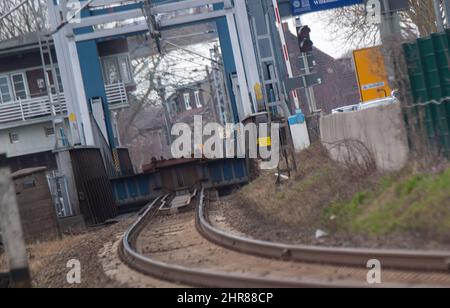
<point x="5" y="90"/>
<point x="117" y="69"/>
<point x="19" y="85"/>
<point x="49" y="131"/>
<point x="198" y="102"/>
<point x="111" y="70"/>
<point x="14" y="137"/>
<point x="187" y="101"/>
<point x="13" y="87"/>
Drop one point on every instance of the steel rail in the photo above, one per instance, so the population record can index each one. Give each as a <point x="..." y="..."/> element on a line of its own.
<point x="397" y="259"/>
<point x="210" y="279"/>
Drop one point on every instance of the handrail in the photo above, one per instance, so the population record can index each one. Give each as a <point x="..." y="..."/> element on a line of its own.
<point x="116" y="94"/>
<point x="26" y="109"/>
<point x="22" y="110"/>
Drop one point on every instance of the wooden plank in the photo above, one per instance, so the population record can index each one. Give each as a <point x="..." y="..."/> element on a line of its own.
<point x="32" y="195"/>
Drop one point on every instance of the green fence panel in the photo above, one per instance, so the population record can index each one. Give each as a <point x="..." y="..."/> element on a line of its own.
<point x="428" y="61"/>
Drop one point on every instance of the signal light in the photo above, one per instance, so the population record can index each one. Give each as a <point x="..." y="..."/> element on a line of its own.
<point x="304" y="39"/>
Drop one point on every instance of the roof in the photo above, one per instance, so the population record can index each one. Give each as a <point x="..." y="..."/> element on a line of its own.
<point x="26" y="172"/>
<point x="24" y="41"/>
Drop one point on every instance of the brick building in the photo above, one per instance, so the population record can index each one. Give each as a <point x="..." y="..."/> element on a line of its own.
<point x="339" y="84"/>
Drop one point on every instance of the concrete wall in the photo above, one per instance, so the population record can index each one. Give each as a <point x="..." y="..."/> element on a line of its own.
<point x="381" y="130"/>
<point x="32" y="139"/>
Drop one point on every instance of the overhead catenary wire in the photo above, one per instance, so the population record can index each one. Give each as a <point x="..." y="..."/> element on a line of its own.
<point x="88" y="3"/>
<point x="190" y="35"/>
<point x="186" y="78"/>
<point x="176" y="58"/>
<point x="73" y="16"/>
<point x="192" y="52"/>
<point x="188" y="60"/>
<point x="58" y="28"/>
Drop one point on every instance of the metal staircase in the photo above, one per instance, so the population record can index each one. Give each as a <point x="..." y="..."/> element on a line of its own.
<point x="50" y="76"/>
<point x="49" y="70"/>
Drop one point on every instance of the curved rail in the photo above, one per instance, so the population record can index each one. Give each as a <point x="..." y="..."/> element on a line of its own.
<point x="199" y="277"/>
<point x="399" y="259"/>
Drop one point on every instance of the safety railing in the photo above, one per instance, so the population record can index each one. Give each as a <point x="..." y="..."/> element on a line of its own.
<point x="28" y="109"/>
<point x="117" y="95"/>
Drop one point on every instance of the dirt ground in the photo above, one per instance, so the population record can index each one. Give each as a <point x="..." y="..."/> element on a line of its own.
<point x="97" y="252"/>
<point x="294" y="211"/>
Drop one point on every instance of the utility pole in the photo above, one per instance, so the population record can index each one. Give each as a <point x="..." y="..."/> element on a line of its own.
<point x="220" y="89"/>
<point x="309" y="91"/>
<point x="215" y="105"/>
<point x="167" y="120"/>
<point x="390" y="36"/>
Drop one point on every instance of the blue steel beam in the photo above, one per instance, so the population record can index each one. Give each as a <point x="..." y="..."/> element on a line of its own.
<point x="92" y="75"/>
<point x="90" y="69"/>
<point x="228" y="61"/>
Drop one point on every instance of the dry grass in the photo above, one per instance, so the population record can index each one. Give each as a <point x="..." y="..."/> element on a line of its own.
<point x="351" y="199"/>
<point x="48" y="261"/>
<point x="40" y="254"/>
<point x="301" y="201"/>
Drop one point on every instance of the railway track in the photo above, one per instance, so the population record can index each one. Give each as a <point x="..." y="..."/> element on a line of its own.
<point x="397" y="259"/>
<point x="179" y="244"/>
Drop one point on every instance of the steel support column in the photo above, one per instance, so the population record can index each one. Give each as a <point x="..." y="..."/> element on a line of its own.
<point x="240" y="69"/>
<point x="248" y="51"/>
<point x="69" y="65"/>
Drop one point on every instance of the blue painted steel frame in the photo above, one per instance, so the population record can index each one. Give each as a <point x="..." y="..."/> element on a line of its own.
<point x="92" y="73"/>
<point x="148" y="186"/>
<point x="91" y="66"/>
<point x="300" y="7"/>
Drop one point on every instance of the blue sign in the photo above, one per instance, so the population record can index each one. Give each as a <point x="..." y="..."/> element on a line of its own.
<point x="308" y="6"/>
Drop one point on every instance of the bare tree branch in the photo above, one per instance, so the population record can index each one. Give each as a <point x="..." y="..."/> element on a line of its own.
<point x="350" y="25"/>
<point x="29" y="18"/>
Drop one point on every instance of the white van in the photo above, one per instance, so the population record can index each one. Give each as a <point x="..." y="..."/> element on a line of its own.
<point x="393" y="99"/>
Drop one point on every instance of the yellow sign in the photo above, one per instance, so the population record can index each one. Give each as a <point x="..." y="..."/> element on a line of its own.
<point x="371" y="74"/>
<point x="265" y="142"/>
<point x="72" y="117"/>
<point x="258" y="92"/>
